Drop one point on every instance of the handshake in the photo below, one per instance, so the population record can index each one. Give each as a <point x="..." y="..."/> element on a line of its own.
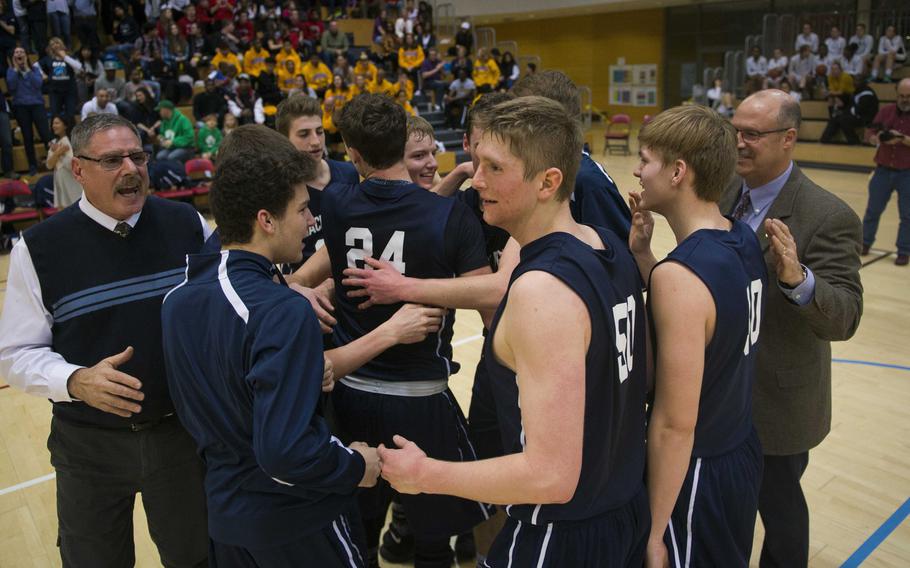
<point x="403" y="463"/>
<point x="373" y="463"/>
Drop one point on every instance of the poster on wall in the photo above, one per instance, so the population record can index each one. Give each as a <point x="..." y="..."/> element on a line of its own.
<point x="621" y="95"/>
<point x="644" y="74"/>
<point x="621" y="74"/>
<point x="644" y="96"/>
<point x="633" y="85"/>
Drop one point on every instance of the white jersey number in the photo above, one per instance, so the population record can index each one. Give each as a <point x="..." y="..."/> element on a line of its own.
<point x="625" y="336"/>
<point x="753" y="296"/>
<point x="361" y="241"/>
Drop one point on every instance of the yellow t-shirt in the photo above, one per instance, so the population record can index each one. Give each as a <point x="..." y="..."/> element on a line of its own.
<point x="286" y="79"/>
<point x="341" y="98"/>
<point x="410" y="58"/>
<point x="385" y="88"/>
<point x="842" y="84"/>
<point x="409" y="89"/>
<point x="368" y="70"/>
<point x="230" y="59"/>
<point x="486" y="73"/>
<point x="318" y="76"/>
<point x="282" y="57"/>
<point x="254" y="61"/>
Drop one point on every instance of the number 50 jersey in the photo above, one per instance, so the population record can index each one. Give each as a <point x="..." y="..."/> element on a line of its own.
<point x="422" y="235"/>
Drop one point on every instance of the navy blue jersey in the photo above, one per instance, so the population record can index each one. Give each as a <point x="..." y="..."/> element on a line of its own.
<point x="424" y="236"/>
<point x="730" y="264"/>
<point x="613" y="455"/>
<point x="597" y="201"/>
<point x="494" y="237"/>
<point x="244" y="360"/>
<point x="339" y="173"/>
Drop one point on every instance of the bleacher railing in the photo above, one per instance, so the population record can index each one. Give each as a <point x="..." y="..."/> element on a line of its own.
<point x="587" y="101"/>
<point x="446" y="21"/>
<point x="484" y="37"/>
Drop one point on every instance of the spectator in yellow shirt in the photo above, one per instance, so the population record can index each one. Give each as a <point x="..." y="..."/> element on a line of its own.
<point x="382" y="85"/>
<point x="318" y="75"/>
<point x="410" y="56"/>
<point x="365" y="67"/>
<point x="225" y="55"/>
<point x="486" y="72"/>
<point x="360" y="86"/>
<point x="287" y="76"/>
<point x="287" y="53"/>
<point x="402" y="100"/>
<point x="339" y="93"/>
<point x="404" y="84"/>
<point x="254" y="58"/>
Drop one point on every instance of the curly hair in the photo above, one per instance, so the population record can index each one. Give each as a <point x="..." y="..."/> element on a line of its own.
<point x="375" y="126"/>
<point x="257" y="169"/>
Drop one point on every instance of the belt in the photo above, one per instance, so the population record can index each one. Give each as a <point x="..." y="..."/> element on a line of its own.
<point x="140" y="426"/>
<point x="408" y="388"/>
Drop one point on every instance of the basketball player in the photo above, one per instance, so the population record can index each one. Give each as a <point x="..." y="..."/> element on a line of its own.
<point x="420" y="152"/>
<point x="245" y="365"/>
<point x="300" y="119"/>
<point x="706" y="301"/>
<point x="575" y="444"/>
<point x="405" y="388"/>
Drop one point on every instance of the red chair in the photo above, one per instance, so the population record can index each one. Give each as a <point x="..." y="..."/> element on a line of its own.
<point x="200" y="172"/>
<point x="48" y="211"/>
<point x="10" y="189"/>
<point x="616" y="138"/>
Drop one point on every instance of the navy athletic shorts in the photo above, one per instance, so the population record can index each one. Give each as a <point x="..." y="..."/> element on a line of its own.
<point x="437" y="425"/>
<point x="614" y="539"/>
<point x="714" y="518"/>
<point x="338" y="545"/>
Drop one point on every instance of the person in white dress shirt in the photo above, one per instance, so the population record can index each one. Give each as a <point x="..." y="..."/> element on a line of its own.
<point x="808" y="37"/>
<point x="777" y="68"/>
<point x="836" y="42"/>
<point x="865" y="43"/>
<point x="890" y="51"/>
<point x="756" y="71"/>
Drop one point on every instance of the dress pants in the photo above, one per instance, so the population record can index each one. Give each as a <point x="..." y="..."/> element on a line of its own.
<point x="99" y="473"/>
<point x="784" y="512"/>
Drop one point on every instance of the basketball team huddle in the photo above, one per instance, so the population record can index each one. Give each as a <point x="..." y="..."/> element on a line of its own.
<point x="611" y="419"/>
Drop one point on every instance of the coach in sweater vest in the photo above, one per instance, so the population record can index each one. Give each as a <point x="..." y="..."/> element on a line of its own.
<point x="81" y="326"/>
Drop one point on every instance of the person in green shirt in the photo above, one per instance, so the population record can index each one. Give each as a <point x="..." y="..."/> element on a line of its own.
<point x="208" y="138"/>
<point x="175" y="134"/>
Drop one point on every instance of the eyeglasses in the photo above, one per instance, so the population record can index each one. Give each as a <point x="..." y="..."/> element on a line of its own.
<point x="753" y="136"/>
<point x="112" y="163"/>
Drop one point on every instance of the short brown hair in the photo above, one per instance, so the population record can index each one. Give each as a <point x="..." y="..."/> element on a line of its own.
<point x="539" y="132"/>
<point x="701" y="138"/>
<point x="293" y="108"/>
<point x="552" y="85"/>
<point x="420" y="127"/>
<point x="483" y="104"/>
<point x="257" y="169"/>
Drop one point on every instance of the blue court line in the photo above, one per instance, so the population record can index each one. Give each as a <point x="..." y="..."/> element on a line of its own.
<point x="879" y="536"/>
<point x="871" y="364"/>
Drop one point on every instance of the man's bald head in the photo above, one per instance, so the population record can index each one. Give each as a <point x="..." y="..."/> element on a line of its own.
<point x="768" y="124"/>
<point x="778" y="104"/>
<point x="903" y="95"/>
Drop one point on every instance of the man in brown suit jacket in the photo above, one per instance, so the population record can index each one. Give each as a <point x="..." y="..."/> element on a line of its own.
<point x="811" y="241"/>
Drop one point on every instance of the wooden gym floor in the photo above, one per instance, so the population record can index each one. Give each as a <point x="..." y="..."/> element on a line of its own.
<point x="857" y="480"/>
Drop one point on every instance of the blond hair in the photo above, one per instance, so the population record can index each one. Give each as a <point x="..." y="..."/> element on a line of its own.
<point x="702" y="139"/>
<point x="539" y="132"/>
<point x="419" y="127"/>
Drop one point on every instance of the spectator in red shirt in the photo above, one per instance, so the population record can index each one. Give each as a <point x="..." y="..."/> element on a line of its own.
<point x="189" y="17"/>
<point x="891" y="133"/>
<point x="222" y="10"/>
<point x="243" y="29"/>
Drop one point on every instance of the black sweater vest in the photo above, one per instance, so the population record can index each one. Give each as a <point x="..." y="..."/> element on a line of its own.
<point x="104" y="293"/>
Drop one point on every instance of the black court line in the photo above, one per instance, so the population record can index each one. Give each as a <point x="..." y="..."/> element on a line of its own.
<point x="881" y="255"/>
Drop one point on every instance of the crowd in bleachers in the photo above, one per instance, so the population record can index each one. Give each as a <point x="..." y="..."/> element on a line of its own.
<point x="834" y="69"/>
<point x="187" y="72"/>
